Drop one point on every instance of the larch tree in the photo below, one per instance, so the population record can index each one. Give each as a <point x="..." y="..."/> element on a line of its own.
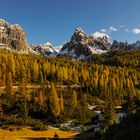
<point x="40" y="76"/>
<point x="9" y="84"/>
<point x="65" y="73"/>
<point x="110" y="115"/>
<point x="75" y="75"/>
<point x="40" y="99"/>
<point x="62" y="103"/>
<point x="54" y="101"/>
<point x="35" y="69"/>
<point x="74" y="101"/>
<point x="101" y="84"/>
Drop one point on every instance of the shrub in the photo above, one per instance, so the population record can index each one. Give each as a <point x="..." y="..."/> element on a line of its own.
<point x="5" y="127"/>
<point x="65" y="129"/>
<point x="12" y="129"/>
<point x="40" y="127"/>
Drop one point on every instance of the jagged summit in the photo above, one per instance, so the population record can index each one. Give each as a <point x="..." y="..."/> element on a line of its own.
<point x="79" y="36"/>
<point x="2" y="21"/>
<point x="79" y="30"/>
<point x="48" y="43"/>
<point x="125" y="45"/>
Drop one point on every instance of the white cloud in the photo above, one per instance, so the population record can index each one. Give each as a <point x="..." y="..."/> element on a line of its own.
<point x="136" y="31"/>
<point x="127" y="30"/>
<point x="104" y="30"/>
<point x="112" y="29"/>
<point x="109" y="30"/>
<point x="121" y="26"/>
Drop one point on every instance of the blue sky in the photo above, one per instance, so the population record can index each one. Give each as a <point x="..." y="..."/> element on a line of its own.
<point x="56" y="20"/>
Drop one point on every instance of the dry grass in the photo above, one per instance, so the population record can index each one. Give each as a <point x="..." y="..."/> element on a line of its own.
<point x="28" y="133"/>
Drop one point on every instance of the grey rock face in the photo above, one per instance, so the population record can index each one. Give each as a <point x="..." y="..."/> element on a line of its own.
<point x="12" y="36"/>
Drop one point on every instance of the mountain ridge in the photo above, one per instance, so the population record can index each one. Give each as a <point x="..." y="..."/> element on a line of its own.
<point x="81" y="45"/>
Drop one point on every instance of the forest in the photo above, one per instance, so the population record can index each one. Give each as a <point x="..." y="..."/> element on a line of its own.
<point x="55" y="90"/>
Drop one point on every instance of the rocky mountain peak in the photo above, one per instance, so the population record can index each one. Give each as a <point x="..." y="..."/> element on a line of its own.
<point x="102" y="40"/>
<point x="138" y="44"/>
<point x="46" y="49"/>
<point x="48" y="44"/>
<point x="79" y="30"/>
<point x="125" y="45"/>
<point x="12" y="37"/>
<point x="98" y="35"/>
<point x="83" y="45"/>
<point x="3" y="22"/>
<point x="79" y="36"/>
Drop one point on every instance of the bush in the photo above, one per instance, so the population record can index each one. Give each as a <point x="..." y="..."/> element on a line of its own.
<point x="12" y="129"/>
<point x="7" y="122"/>
<point x="85" y="129"/>
<point x="40" y="127"/>
<point x="5" y="127"/>
<point x="65" y="129"/>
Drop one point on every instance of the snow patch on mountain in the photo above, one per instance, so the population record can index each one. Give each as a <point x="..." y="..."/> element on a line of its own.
<point x="97" y="35"/>
<point x="97" y="51"/>
<point x="47" y="44"/>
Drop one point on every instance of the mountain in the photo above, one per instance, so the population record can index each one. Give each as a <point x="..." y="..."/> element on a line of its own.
<point x="46" y="49"/>
<point x="12" y="37"/>
<point x="136" y="45"/>
<point x="102" y="40"/>
<point x="125" y="46"/>
<point x="83" y="45"/>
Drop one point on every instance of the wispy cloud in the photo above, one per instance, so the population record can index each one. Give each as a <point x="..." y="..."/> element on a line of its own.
<point x="127" y="30"/>
<point x="121" y="26"/>
<point x="136" y="31"/>
<point x="112" y="29"/>
<point x="104" y="30"/>
<point x="109" y="30"/>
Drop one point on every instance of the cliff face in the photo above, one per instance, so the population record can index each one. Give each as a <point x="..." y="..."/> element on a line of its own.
<point x="79" y="43"/>
<point x="12" y="37"/>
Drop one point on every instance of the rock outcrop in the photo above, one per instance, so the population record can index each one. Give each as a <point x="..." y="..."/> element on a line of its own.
<point x="12" y="37"/>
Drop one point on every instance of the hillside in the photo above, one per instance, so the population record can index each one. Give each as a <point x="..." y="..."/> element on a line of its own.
<point x="118" y="58"/>
<point x="86" y="86"/>
<point x="91" y="80"/>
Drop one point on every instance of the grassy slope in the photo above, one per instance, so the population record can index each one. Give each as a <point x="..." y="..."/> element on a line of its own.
<point x="28" y="133"/>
